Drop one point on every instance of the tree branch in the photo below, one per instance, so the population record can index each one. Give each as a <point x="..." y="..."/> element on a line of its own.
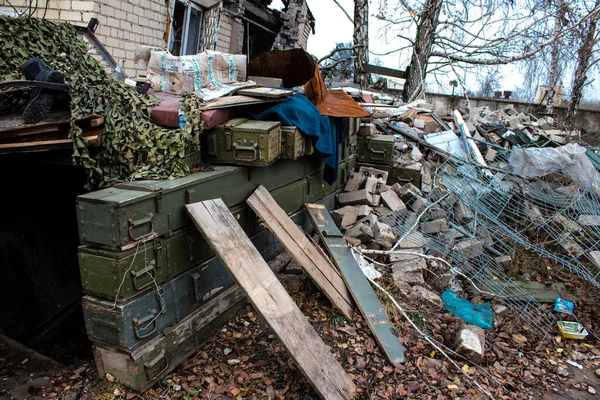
<point x="338" y="49"/>
<point x="345" y="12"/>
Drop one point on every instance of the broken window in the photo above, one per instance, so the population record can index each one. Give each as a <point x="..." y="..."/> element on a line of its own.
<point x="186" y="29"/>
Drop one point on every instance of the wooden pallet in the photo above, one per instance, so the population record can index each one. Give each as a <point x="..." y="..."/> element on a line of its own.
<point x="270" y="299"/>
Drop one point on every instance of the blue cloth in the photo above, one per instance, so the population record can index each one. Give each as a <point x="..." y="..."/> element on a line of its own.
<point x="480" y="315"/>
<point x="299" y="111"/>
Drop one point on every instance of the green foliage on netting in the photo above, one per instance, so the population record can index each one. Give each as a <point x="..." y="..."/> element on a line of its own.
<point x="132" y="147"/>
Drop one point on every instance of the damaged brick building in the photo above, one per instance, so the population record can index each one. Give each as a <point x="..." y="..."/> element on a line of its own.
<point x="183" y="26"/>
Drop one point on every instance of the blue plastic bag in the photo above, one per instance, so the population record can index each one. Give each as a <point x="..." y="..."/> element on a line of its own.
<point x="480" y="315"/>
<point x="564" y="306"/>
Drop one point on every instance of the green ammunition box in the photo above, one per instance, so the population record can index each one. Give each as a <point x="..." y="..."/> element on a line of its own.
<point x="376" y="149"/>
<point x="120" y="217"/>
<point x="309" y="145"/>
<point x="317" y="188"/>
<point x="243" y="142"/>
<point x="155" y="357"/>
<point x="128" y="325"/>
<point x="120" y="275"/>
<point x="143" y="367"/>
<point x="292" y="143"/>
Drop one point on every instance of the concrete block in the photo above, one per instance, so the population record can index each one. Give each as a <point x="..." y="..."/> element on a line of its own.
<point x="418" y="204"/>
<point x="371" y="184"/>
<point x="361" y="232"/>
<point x="369" y="221"/>
<point x="363" y="211"/>
<point x="375" y="200"/>
<point x="375" y="173"/>
<point x="505" y="262"/>
<point x="413" y="240"/>
<point x="384" y="235"/>
<point x="392" y="201"/>
<point x="452" y="235"/>
<point x="419" y="123"/>
<point x="435" y="226"/>
<point x="470" y="342"/>
<point x="355" y="182"/>
<point x="367" y="129"/>
<point x="437" y="193"/>
<point x="589" y="220"/>
<point x="491" y="154"/>
<point x="468" y="249"/>
<point x="409" y="271"/>
<point x="406" y="192"/>
<point x="352" y="241"/>
<point x="427" y="295"/>
<point x="402" y="254"/>
<point x="435" y="212"/>
<point x="345" y="216"/>
<point x="543" y="124"/>
<point x="381" y="211"/>
<point x="462" y="212"/>
<point x="381" y="188"/>
<point x="357" y="197"/>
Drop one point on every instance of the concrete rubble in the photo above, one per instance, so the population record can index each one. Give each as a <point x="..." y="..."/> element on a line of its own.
<point x="435" y="232"/>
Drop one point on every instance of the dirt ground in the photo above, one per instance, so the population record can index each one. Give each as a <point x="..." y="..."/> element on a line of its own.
<point x="245" y="360"/>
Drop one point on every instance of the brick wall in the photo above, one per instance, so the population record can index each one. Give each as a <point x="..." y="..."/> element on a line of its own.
<point x="225" y="33"/>
<point x="124" y="24"/>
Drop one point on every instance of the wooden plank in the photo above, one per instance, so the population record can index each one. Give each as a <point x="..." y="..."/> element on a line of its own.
<point x="318" y="267"/>
<point x="268" y="297"/>
<point x="235" y="101"/>
<point x="44" y="145"/>
<point x="364" y="296"/>
<point x="269" y="93"/>
<point x="376" y="69"/>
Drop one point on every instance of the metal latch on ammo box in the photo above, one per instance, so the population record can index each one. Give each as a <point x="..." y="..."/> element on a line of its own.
<point x="136" y="223"/>
<point x="252" y="148"/>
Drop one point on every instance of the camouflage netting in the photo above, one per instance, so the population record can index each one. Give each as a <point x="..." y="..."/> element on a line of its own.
<point x="132" y="147"/>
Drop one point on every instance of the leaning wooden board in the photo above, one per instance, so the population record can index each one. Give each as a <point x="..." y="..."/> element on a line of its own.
<point x="320" y="269"/>
<point x="269" y="297"/>
<point x="357" y="283"/>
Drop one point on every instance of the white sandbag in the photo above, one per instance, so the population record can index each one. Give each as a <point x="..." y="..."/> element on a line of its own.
<point x="207" y="71"/>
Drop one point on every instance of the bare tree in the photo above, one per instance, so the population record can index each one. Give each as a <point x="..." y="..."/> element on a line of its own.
<point x="554" y="62"/>
<point x="585" y="60"/>
<point x="361" y="40"/>
<point x="489" y="82"/>
<point x="451" y="34"/>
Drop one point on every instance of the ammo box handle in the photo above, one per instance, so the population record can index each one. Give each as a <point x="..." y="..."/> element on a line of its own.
<point x="237" y="147"/>
<point x="197" y="283"/>
<point x="382" y="152"/>
<point x="150" y="318"/>
<point x="135" y="223"/>
<point x="152" y="363"/>
<point x="138" y="274"/>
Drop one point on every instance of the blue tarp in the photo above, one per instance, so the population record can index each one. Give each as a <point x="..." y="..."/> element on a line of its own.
<point x="299" y="111"/>
<point x="480" y="315"/>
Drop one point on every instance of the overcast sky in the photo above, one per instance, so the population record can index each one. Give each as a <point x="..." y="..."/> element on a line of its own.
<point x="332" y="27"/>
